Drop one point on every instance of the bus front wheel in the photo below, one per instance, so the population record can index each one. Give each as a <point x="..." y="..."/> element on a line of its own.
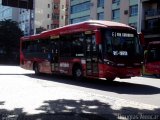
<point x="77" y="73"/>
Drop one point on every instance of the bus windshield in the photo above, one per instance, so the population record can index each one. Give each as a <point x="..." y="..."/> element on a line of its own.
<point x="121" y="44"/>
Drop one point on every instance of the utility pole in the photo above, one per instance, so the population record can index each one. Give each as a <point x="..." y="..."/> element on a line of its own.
<point x="139" y="24"/>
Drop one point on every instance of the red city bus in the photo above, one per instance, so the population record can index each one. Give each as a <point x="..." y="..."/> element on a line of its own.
<point x="93" y="49"/>
<point x="152" y="58"/>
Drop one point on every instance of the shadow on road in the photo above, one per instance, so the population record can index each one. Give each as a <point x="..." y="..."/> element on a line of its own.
<point x="115" y="86"/>
<point x="2" y="102"/>
<point x="14" y="74"/>
<point x="63" y="109"/>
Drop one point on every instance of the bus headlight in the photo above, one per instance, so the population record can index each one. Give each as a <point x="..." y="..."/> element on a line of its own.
<point x="109" y="62"/>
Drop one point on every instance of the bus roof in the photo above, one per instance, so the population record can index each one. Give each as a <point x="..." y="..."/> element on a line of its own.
<point x="32" y="37"/>
<point x="86" y="26"/>
<point x="79" y="27"/>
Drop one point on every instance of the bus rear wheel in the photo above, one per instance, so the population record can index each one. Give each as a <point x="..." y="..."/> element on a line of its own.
<point x="36" y="69"/>
<point x="157" y="75"/>
<point x="77" y="73"/>
<point x="110" y="79"/>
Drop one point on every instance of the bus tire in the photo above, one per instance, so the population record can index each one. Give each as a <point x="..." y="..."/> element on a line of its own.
<point x="36" y="69"/>
<point x="110" y="79"/>
<point x="157" y="75"/>
<point x="77" y="72"/>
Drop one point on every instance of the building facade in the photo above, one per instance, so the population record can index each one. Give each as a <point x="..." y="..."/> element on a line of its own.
<point x="144" y="15"/>
<point x="47" y="14"/>
<point x="8" y="13"/>
<point x="124" y="11"/>
<point x="42" y="15"/>
<point x="150" y="21"/>
<point x="26" y="21"/>
<point x="60" y="13"/>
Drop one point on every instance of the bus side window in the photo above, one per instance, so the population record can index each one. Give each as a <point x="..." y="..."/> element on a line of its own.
<point x="78" y="46"/>
<point x="54" y="50"/>
<point x="94" y="43"/>
<point x="30" y="48"/>
<point x="43" y="46"/>
<point x="152" y="55"/>
<point x="65" y="46"/>
<point x="25" y="45"/>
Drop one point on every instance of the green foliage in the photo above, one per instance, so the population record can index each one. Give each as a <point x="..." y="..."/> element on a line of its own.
<point x="40" y="29"/>
<point x="10" y="35"/>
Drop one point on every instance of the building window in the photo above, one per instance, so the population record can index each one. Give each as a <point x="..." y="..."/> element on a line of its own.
<point x="116" y="14"/>
<point x="62" y="6"/>
<point x="55" y="16"/>
<point x="134" y="10"/>
<point x="115" y="1"/>
<point x="48" y="16"/>
<point x="47" y="26"/>
<point x="54" y="26"/>
<point x="100" y="16"/>
<point x="56" y="6"/>
<point x="80" y="7"/>
<point x="100" y="3"/>
<point x="152" y="24"/>
<point x="62" y="17"/>
<point x="48" y="5"/>
<point x="80" y="19"/>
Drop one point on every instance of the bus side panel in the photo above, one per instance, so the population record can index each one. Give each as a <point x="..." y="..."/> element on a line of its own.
<point x="66" y="66"/>
<point x="128" y="72"/>
<point x="45" y="67"/>
<point x="152" y="68"/>
<point x="27" y="64"/>
<point x="106" y="71"/>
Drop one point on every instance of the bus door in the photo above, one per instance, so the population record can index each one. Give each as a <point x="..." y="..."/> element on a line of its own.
<point x="55" y="56"/>
<point x="91" y="56"/>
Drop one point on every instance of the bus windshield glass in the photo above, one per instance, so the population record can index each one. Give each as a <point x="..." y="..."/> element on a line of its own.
<point x="121" y="44"/>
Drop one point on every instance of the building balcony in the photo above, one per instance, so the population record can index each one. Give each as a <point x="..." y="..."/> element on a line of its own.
<point x="152" y="32"/>
<point x="152" y="12"/>
<point x="57" y="11"/>
<point x="54" y="21"/>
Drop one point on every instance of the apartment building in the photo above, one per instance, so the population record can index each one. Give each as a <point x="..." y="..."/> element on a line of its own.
<point x="124" y="11"/>
<point x="47" y="14"/>
<point x="60" y="13"/>
<point x="26" y="21"/>
<point x="8" y="13"/>
<point x="36" y="20"/>
<point x="144" y="15"/>
<point x="50" y="14"/>
<point x="42" y="15"/>
<point x="150" y="21"/>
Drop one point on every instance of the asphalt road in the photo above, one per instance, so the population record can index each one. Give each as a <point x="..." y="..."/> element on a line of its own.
<point x="22" y="92"/>
<point x="140" y="89"/>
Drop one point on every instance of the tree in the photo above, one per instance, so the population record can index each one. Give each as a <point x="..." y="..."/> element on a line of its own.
<point x="10" y="35"/>
<point x="40" y="29"/>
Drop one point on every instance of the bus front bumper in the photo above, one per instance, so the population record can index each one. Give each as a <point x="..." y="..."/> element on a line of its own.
<point x="120" y="72"/>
